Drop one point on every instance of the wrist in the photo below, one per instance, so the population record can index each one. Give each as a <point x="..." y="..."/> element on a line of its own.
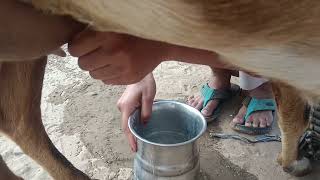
<point x="148" y="77"/>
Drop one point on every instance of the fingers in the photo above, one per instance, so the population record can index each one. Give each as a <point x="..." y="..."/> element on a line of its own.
<point x="146" y="108"/>
<point x="96" y="59"/>
<point x="124" y="119"/>
<point x="85" y="42"/>
<point x="107" y="72"/>
<point x="115" y="58"/>
<point x="111" y="69"/>
<point x="132" y="141"/>
<point x="89" y="41"/>
<point x="127" y="104"/>
<point x="93" y="60"/>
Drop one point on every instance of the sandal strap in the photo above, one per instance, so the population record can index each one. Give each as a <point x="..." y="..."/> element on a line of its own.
<point x="255" y="105"/>
<point x="246" y="101"/>
<point x="209" y="94"/>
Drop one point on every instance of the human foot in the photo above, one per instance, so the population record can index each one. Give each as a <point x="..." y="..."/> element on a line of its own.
<point x="210" y="100"/>
<point x="257" y="113"/>
<point x="256" y="119"/>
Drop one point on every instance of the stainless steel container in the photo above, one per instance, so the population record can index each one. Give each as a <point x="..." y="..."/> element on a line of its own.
<point x="167" y="144"/>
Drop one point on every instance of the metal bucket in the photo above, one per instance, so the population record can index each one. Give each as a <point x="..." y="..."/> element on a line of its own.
<point x="167" y="144"/>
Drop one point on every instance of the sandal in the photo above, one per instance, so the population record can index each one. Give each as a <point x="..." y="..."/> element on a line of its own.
<point x="254" y="105"/>
<point x="209" y="94"/>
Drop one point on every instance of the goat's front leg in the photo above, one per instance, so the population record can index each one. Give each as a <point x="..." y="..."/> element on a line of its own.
<point x="20" y="97"/>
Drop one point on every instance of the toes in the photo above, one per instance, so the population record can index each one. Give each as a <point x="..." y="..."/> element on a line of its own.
<point x="260" y="119"/>
<point x="195" y="102"/>
<point x="200" y="104"/>
<point x="269" y="118"/>
<point x="263" y="122"/>
<point x="249" y="121"/>
<point x="239" y="118"/>
<point x="256" y="121"/>
<point x="190" y="100"/>
<point x="211" y="106"/>
<point x="266" y="118"/>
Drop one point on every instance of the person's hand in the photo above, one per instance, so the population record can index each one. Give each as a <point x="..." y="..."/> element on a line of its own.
<point x="116" y="58"/>
<point x="137" y="95"/>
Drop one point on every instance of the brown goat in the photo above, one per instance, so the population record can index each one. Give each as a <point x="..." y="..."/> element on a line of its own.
<point x="278" y="39"/>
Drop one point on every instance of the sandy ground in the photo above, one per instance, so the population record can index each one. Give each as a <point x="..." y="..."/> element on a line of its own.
<point x="81" y="119"/>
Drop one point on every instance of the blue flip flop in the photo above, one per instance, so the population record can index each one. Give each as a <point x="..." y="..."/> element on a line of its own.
<point x="210" y="94"/>
<point x="254" y="105"/>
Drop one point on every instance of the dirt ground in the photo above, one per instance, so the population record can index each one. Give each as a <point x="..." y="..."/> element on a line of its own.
<point x="82" y="120"/>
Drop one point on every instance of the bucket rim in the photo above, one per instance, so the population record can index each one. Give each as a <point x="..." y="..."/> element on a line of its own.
<point x="193" y="110"/>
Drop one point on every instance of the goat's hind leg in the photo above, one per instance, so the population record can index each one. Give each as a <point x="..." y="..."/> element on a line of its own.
<point x="20" y="96"/>
<point x="292" y="122"/>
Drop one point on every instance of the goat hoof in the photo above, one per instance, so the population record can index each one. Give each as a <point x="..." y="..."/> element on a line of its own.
<point x="299" y="168"/>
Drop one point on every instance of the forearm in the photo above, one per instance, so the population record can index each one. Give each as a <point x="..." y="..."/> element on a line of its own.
<point x="27" y="34"/>
<point x="197" y="56"/>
